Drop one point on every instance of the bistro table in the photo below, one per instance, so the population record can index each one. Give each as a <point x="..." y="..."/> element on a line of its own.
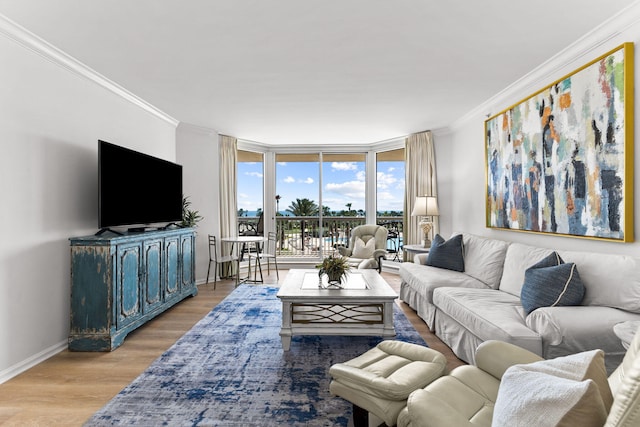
<point x="240" y="241"/>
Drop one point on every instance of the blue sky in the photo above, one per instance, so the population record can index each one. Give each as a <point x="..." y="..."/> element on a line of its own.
<point x="343" y="182"/>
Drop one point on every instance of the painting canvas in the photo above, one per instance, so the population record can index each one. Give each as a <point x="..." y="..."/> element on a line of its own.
<point x="561" y="161"/>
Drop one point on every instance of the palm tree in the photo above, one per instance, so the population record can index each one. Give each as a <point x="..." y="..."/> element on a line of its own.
<point x="303" y="207"/>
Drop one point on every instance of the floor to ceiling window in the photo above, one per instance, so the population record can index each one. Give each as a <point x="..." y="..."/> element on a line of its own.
<point x="343" y="196"/>
<point x="390" y="197"/>
<point x="250" y="191"/>
<point x="314" y="199"/>
<point x="298" y="203"/>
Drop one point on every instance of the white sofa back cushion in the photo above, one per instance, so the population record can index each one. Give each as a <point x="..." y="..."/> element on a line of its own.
<point x="610" y="280"/>
<point x="484" y="258"/>
<point x="519" y="258"/>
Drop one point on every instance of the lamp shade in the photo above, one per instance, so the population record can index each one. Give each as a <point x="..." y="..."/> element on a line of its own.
<point x="425" y="206"/>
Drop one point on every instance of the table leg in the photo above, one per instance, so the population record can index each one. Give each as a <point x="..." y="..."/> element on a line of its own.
<point x="285" y="331"/>
<point x="387" y="318"/>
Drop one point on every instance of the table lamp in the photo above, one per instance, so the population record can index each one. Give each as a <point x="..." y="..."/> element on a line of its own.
<point x="426" y="207"/>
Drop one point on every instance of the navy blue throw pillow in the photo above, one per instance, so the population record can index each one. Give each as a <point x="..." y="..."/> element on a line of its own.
<point x="448" y="255"/>
<point x="551" y="283"/>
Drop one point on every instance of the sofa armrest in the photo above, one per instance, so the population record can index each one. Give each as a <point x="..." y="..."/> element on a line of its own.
<point x="420" y="259"/>
<point x="380" y="253"/>
<point x="495" y="357"/>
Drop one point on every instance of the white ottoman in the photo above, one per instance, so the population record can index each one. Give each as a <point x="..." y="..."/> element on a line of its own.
<point x="380" y="380"/>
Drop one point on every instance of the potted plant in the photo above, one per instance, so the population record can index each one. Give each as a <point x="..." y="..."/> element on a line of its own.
<point x="336" y="269"/>
<point x="190" y="218"/>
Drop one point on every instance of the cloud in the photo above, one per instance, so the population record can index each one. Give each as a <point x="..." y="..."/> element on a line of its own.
<point x="243" y="196"/>
<point x="289" y="180"/>
<point x="307" y="181"/>
<point x="352" y="189"/>
<point x="281" y="163"/>
<point x="388" y="201"/>
<point x="390" y="169"/>
<point x="385" y="180"/>
<point x="344" y="166"/>
<point x="256" y="174"/>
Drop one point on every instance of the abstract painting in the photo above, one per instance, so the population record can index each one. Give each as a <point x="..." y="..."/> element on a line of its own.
<point x="561" y="160"/>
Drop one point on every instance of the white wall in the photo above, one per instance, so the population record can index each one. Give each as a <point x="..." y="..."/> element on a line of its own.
<point x="445" y="178"/>
<point x="50" y="121"/>
<point x="466" y="151"/>
<point x="197" y="152"/>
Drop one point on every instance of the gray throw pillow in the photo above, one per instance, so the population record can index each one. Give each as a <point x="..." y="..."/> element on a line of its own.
<point x="551" y="283"/>
<point x="447" y="254"/>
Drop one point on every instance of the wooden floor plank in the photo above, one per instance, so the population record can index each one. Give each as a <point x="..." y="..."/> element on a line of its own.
<point x="68" y="388"/>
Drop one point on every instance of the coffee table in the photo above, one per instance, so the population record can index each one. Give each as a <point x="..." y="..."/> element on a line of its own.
<point x="363" y="307"/>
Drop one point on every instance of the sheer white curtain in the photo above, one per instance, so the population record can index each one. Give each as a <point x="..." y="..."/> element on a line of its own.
<point x="420" y="180"/>
<point x="228" y="181"/>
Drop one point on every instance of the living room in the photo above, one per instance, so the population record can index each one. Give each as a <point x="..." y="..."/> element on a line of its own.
<point x="56" y="108"/>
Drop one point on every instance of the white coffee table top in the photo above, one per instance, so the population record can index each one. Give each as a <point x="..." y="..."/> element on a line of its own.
<point x="302" y="284"/>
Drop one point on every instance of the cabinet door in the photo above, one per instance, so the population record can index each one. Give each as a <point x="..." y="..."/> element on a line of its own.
<point x="187" y="260"/>
<point x="152" y="274"/>
<point x="128" y="287"/>
<point x="172" y="285"/>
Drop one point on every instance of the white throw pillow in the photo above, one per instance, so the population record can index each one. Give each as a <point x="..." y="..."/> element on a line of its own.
<point x="363" y="250"/>
<point x="566" y="391"/>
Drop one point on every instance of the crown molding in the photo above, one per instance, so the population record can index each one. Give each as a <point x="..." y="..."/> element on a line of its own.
<point x="601" y="39"/>
<point x="28" y="40"/>
<point x="202" y="130"/>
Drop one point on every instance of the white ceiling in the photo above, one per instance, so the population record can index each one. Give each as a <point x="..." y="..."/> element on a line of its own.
<point x="313" y="71"/>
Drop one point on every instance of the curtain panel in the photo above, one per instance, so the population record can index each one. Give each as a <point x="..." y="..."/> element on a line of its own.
<point x="420" y="180"/>
<point x="228" y="183"/>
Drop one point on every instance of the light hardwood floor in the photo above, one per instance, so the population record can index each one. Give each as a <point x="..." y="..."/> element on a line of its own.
<point x="68" y="388"/>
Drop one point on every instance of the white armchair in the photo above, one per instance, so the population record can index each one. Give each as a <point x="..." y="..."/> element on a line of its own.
<point x="367" y="247"/>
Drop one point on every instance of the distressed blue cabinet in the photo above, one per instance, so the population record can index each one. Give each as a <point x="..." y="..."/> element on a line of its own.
<point x="120" y="282"/>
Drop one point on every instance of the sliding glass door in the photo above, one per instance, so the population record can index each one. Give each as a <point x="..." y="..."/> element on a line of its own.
<point x="250" y="192"/>
<point x="297" y="204"/>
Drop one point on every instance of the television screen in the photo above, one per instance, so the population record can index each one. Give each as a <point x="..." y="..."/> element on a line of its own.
<point x="135" y="188"/>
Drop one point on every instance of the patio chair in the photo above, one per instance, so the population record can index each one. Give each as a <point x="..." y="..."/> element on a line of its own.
<point x="246" y="228"/>
<point x="268" y="252"/>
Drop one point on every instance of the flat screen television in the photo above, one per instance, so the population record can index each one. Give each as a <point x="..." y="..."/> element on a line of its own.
<point x="137" y="189"/>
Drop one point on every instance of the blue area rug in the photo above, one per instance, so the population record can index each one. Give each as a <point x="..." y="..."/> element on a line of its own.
<point x="230" y="370"/>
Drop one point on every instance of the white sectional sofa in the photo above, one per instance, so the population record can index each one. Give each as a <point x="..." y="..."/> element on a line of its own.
<point x="483" y="302"/>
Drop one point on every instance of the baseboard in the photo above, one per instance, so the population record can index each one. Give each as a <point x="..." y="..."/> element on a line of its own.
<point x="32" y="361"/>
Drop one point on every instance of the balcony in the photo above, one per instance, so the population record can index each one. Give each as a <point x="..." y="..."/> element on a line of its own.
<point x="300" y="237"/>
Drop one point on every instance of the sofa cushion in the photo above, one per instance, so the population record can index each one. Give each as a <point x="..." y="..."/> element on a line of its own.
<point x="489" y="315"/>
<point x="484" y="258"/>
<point x="551" y="283"/>
<point x="569" y="391"/>
<point x="519" y="257"/>
<point x="419" y="281"/>
<point x="446" y="254"/>
<point x="609" y="280"/>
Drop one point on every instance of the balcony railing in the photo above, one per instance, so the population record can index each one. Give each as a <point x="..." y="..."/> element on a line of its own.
<point x="300" y="237"/>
